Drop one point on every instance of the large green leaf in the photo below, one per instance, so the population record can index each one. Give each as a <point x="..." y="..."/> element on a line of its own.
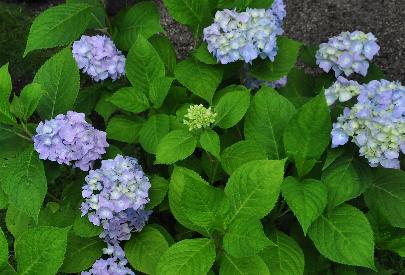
<point x="201" y="79"/>
<point x="59" y="77"/>
<point x="144" y="250"/>
<point x="387" y="195"/>
<point x="157" y="191"/>
<point x="306" y="199"/>
<point x="253" y="265"/>
<point x="98" y="14"/>
<point x="176" y="145"/>
<point x="124" y="129"/>
<point x="58" y="26"/>
<point x="130" y="99"/>
<point x="245" y="238"/>
<point x="153" y="130"/>
<point x="308" y="133"/>
<point x="194" y="256"/>
<point x="344" y="236"/>
<point x="40" y="250"/>
<point x="287" y="55"/>
<point x="232" y="106"/>
<point x="141" y="19"/>
<point x="143" y="65"/>
<point x="3" y="250"/>
<point x="346" y="179"/>
<point x="17" y="222"/>
<point x="239" y="153"/>
<point x="266" y="120"/>
<point x="165" y="49"/>
<point x="23" y="180"/>
<point x="253" y="188"/>
<point x="24" y="105"/>
<point x="81" y="253"/>
<point x="82" y="227"/>
<point x="285" y="258"/>
<point x="243" y="4"/>
<point x="159" y="89"/>
<point x="209" y="141"/>
<point x="5" y="92"/>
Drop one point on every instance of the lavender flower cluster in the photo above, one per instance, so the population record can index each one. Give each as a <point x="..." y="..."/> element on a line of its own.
<point x="342" y="90"/>
<point x="247" y="35"/>
<point x="376" y="123"/>
<point x="69" y="138"/>
<point x="347" y="53"/>
<point x="98" y="57"/>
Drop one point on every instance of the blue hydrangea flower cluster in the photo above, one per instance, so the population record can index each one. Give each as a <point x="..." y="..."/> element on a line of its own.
<point x="247" y="35"/>
<point x="347" y="53"/>
<point x="342" y="90"/>
<point x="115" y="196"/>
<point x="376" y="123"/>
<point x="69" y="138"/>
<point x="98" y="57"/>
<point x="253" y="83"/>
<point x="115" y="264"/>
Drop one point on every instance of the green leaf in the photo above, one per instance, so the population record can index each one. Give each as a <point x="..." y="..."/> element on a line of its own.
<point x="159" y="88"/>
<point x="81" y="253"/>
<point x="203" y="55"/>
<point x="41" y="250"/>
<point x="253" y="188"/>
<point x="8" y="270"/>
<point x="165" y="49"/>
<point x="157" y="191"/>
<point x="245" y="238"/>
<point x="346" y="179"/>
<point x="3" y="250"/>
<point x="58" y="26"/>
<point x="194" y="256"/>
<point x="144" y="250"/>
<point x="210" y="142"/>
<point x="23" y="180"/>
<point x="98" y="14"/>
<point x="300" y="87"/>
<point x="266" y="120"/>
<point x="143" y="65"/>
<point x="194" y="13"/>
<point x="141" y="19"/>
<point x="17" y="222"/>
<point x="82" y="227"/>
<point x="243" y="4"/>
<point x="306" y="199"/>
<point x="232" y="107"/>
<point x="153" y="130"/>
<point x="181" y="176"/>
<point x="59" y="77"/>
<point x="176" y="145"/>
<point x="124" y="129"/>
<point x="87" y="99"/>
<point x="201" y="79"/>
<point x="396" y="244"/>
<point x="387" y="195"/>
<point x="344" y="236"/>
<point x="285" y="60"/>
<point x="25" y="105"/>
<point x="239" y="153"/>
<point x="129" y="99"/>
<point x="103" y="107"/>
<point x="5" y="91"/>
<point x="253" y="265"/>
<point x="286" y="257"/>
<point x="308" y="133"/>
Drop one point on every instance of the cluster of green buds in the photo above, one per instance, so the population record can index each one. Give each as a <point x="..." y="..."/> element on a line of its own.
<point x="198" y="117"/>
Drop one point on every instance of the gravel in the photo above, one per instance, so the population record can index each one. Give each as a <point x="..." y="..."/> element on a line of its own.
<point x="314" y="21"/>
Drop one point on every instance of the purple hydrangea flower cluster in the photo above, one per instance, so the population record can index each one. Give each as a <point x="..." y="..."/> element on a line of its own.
<point x="98" y="57"/>
<point x="69" y="138"/>
<point x="115" y="196"/>
<point x="347" y="53"/>
<point x="247" y="35"/>
<point x="114" y="265"/>
<point x="253" y="83"/>
<point x="342" y="90"/>
<point x="376" y="123"/>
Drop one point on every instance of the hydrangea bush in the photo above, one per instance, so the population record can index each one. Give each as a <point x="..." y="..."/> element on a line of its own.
<point x="119" y="158"/>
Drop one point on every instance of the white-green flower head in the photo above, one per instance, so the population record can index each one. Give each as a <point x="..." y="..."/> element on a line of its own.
<point x="199" y="117"/>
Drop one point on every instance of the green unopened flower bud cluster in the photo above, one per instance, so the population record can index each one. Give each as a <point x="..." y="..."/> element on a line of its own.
<point x="198" y="117"/>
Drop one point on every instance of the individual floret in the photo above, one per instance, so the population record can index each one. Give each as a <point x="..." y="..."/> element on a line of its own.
<point x="98" y="57"/>
<point x="348" y="53"/>
<point x="376" y="123"/>
<point x="342" y="90"/>
<point x="247" y="35"/>
<point x="115" y="197"/>
<point x="70" y="139"/>
<point x="198" y="117"/>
